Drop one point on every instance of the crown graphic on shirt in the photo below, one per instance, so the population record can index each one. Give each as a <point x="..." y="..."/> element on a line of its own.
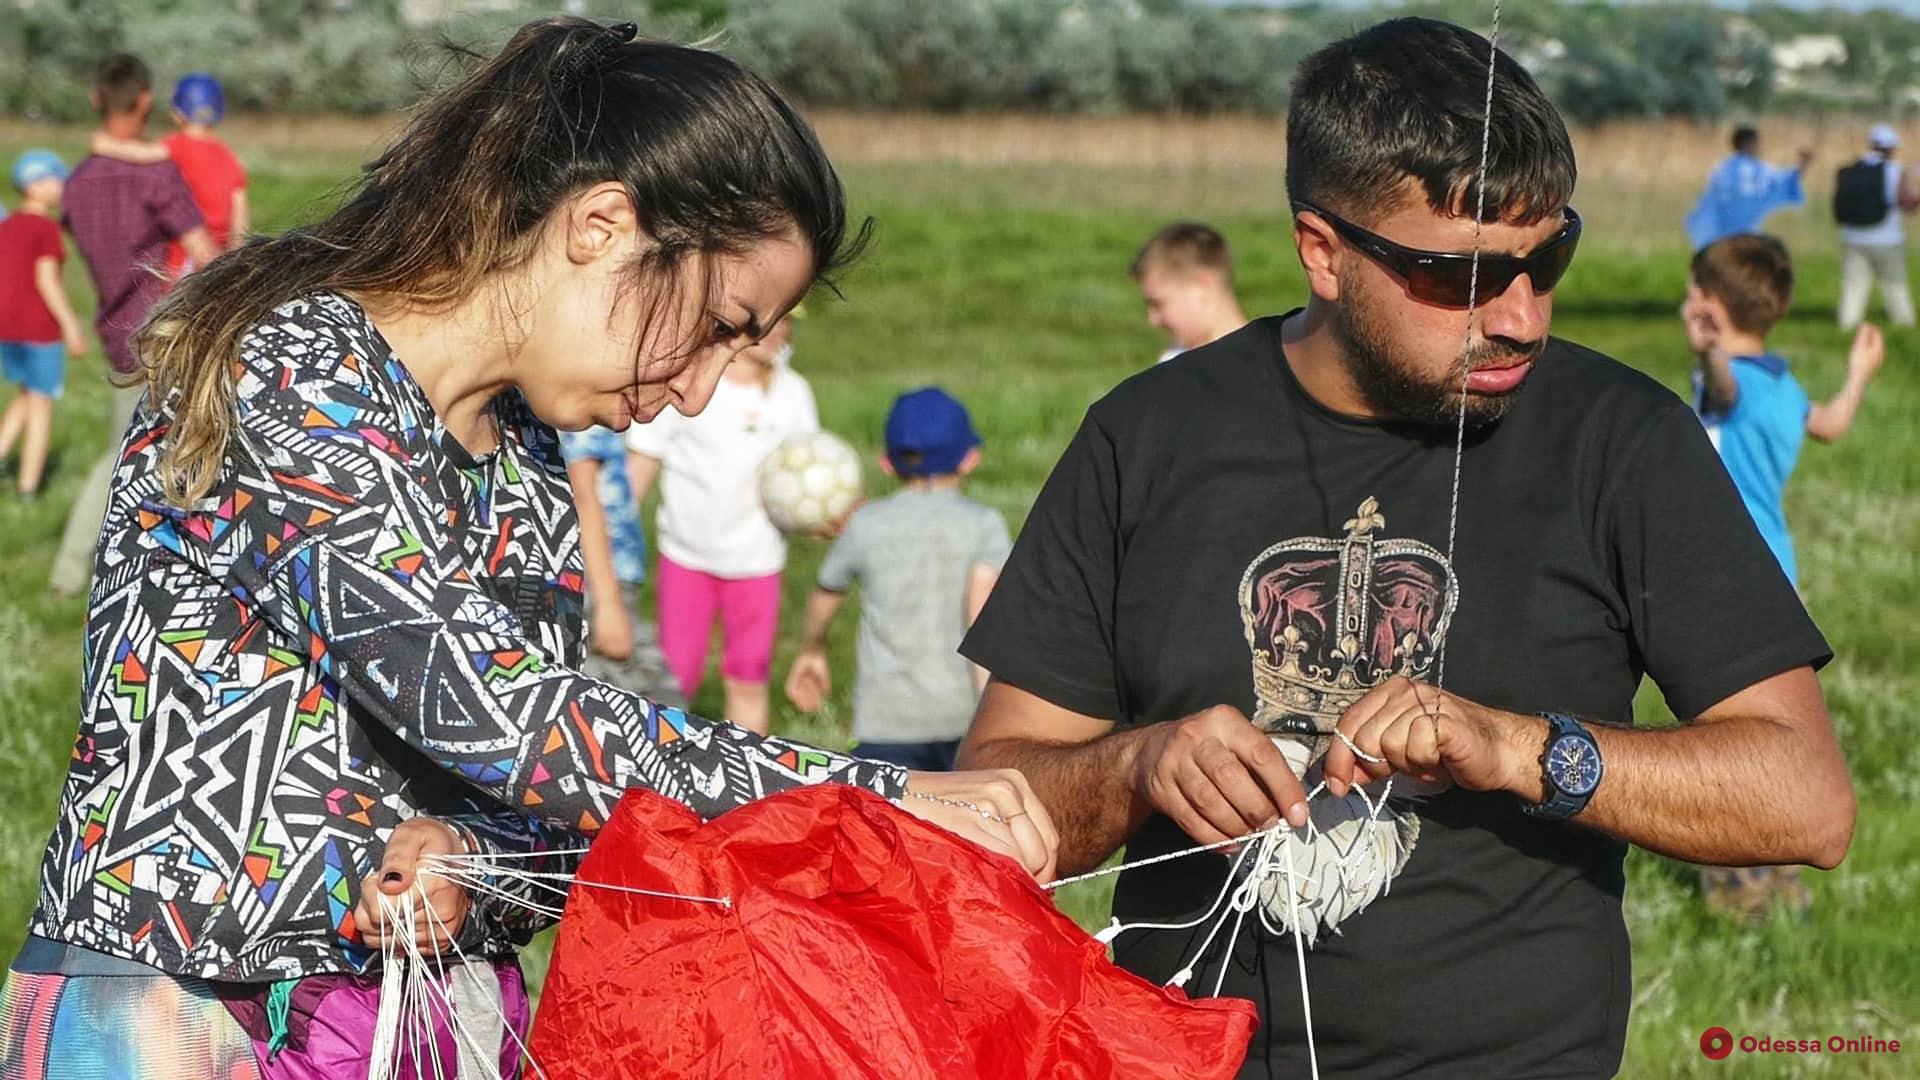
<point x="1329" y="619"/>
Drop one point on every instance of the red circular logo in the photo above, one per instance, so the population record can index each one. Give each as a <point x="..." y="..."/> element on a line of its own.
<point x="1716" y="1043"/>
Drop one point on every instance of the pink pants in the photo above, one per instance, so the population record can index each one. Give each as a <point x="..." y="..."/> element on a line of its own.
<point x="749" y="611"/>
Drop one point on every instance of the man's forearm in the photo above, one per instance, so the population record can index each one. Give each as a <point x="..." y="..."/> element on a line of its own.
<point x="1732" y="791"/>
<point x="1087" y="788"/>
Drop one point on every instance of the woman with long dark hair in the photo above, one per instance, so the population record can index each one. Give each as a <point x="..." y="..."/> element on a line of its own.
<point x="336" y="609"/>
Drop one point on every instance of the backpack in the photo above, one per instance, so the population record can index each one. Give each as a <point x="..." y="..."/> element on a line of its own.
<point x="1860" y="194"/>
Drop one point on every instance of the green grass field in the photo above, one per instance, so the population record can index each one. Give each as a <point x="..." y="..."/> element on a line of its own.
<point x="1007" y="285"/>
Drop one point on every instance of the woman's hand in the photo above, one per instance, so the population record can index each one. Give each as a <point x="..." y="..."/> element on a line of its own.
<point x="415" y="839"/>
<point x="994" y="808"/>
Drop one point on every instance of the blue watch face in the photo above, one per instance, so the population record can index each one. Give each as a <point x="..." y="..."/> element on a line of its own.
<point x="1574" y="765"/>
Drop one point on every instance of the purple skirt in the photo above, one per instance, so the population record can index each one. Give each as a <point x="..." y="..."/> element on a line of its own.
<point x="153" y="1027"/>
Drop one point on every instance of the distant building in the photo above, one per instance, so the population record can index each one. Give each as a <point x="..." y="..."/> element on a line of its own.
<point x="433" y="12"/>
<point x="1807" y="61"/>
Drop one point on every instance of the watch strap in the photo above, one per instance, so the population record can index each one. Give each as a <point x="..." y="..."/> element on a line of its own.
<point x="1560" y="804"/>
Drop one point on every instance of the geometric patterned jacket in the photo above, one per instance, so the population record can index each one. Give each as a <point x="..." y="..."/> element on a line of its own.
<point x="360" y="622"/>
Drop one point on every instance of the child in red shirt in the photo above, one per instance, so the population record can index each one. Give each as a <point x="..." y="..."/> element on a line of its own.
<point x="38" y="328"/>
<point x="212" y="172"/>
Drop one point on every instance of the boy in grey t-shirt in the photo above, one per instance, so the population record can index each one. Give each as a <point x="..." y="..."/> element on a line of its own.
<point x="925" y="557"/>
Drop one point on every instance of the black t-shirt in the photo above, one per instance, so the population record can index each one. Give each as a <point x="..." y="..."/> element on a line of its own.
<point x="1206" y="504"/>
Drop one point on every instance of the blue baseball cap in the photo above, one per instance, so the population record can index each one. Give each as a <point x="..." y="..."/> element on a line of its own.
<point x="34" y="165"/>
<point x="197" y="96"/>
<point x="930" y="424"/>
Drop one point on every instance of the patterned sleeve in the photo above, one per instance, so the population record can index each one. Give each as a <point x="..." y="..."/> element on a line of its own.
<point x="505" y="910"/>
<point x="349" y="557"/>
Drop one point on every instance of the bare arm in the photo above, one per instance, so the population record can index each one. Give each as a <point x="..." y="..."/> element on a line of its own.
<point x="242" y="220"/>
<point x="1078" y="766"/>
<point x="612" y="637"/>
<point x="810" y="677"/>
<point x="46" y="281"/>
<point x="1716" y="369"/>
<point x="1828" y="420"/>
<point x="980" y="582"/>
<point x="1908" y="194"/>
<point x="642" y="471"/>
<point x="1757" y="779"/>
<point x="136" y="151"/>
<point x="199" y="245"/>
<point x="822" y="606"/>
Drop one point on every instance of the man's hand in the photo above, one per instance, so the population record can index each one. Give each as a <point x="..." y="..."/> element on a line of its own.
<point x="1804" y="158"/>
<point x="810" y="679"/>
<point x="1217" y="776"/>
<point x="1416" y="730"/>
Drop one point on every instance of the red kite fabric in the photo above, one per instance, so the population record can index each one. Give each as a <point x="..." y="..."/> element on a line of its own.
<point x="861" y="942"/>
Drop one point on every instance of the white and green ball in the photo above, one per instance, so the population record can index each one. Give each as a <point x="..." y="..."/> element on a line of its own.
<point x="809" y="481"/>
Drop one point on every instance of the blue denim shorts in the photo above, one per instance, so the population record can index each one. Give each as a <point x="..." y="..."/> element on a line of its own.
<point x="37" y="366"/>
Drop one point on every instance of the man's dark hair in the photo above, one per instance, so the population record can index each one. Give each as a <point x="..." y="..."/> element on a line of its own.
<point x="1745" y="138"/>
<point x="121" y="80"/>
<point x="1405" y="100"/>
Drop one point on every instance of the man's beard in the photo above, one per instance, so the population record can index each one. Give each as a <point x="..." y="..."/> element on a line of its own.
<point x="1391" y="389"/>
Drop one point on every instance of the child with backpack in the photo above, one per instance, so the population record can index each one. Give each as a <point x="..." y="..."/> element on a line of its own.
<point x="1870" y="197"/>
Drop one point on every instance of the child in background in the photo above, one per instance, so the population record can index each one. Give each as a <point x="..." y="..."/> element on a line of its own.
<point x="1758" y="417"/>
<point x="719" y="553"/>
<point x="622" y="647"/>
<point x="38" y="329"/>
<point x="121" y="216"/>
<point x="925" y="558"/>
<point x="212" y="172"/>
<point x="1185" y="274"/>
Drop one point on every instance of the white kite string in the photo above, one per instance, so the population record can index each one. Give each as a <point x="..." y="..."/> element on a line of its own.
<point x="1473" y="306"/>
<point x="409" y="979"/>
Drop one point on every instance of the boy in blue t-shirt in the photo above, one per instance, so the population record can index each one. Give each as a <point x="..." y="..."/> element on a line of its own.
<point x="1758" y="418"/>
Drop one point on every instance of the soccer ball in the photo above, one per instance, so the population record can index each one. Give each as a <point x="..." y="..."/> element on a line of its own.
<point x="809" y="481"/>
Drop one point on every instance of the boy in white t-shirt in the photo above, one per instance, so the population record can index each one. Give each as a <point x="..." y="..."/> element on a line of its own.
<point x="720" y="556"/>
<point x="1185" y="274"/>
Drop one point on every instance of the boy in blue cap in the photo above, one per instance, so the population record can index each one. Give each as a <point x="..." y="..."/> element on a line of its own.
<point x="38" y="329"/>
<point x="925" y="558"/>
<point x="212" y="172"/>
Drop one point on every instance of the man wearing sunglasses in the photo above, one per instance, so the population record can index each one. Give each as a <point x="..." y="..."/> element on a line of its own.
<point x="1266" y="532"/>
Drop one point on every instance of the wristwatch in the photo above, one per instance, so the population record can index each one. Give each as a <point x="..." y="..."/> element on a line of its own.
<point x="1571" y="766"/>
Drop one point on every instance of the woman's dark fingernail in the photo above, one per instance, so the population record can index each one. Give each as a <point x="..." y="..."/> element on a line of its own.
<point x="391" y="877"/>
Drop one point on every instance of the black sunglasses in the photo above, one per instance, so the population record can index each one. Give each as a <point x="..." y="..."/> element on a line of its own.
<point x="1445" y="278"/>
